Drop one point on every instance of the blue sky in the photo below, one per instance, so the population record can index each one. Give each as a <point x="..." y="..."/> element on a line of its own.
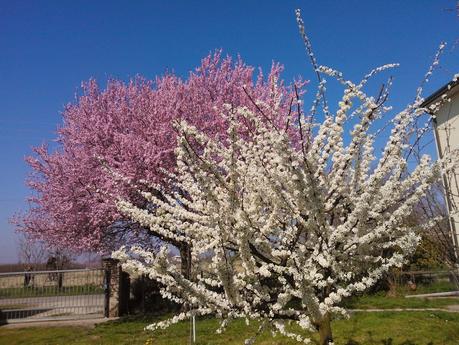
<point x="49" y="47"/>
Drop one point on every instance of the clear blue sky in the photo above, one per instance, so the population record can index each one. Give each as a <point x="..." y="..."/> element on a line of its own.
<point x="48" y="47"/>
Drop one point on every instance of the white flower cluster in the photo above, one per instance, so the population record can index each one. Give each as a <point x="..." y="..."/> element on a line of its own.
<point x="278" y="232"/>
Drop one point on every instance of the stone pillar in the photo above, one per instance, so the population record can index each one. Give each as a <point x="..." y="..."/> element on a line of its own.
<point x="116" y="287"/>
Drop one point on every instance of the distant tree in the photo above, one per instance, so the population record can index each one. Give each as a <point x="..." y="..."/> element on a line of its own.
<point x="36" y="254"/>
<point x="437" y="248"/>
<point x="58" y="260"/>
<point x="31" y="253"/>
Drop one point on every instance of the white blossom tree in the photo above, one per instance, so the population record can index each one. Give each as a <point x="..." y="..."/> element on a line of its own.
<point x="289" y="224"/>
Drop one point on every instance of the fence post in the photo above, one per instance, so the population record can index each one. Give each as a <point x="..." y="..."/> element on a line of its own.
<point x="107" y="278"/>
<point x="116" y="288"/>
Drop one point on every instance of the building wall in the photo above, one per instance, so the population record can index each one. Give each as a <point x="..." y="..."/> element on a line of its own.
<point x="447" y="136"/>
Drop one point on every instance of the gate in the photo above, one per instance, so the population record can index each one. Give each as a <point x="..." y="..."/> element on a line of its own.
<point x="61" y="294"/>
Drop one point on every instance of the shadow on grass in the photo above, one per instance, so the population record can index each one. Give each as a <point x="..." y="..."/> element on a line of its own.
<point x="22" y="314"/>
<point x="2" y="318"/>
<point x="387" y="341"/>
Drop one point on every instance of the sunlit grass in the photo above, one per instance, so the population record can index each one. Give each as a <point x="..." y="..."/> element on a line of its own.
<point x="395" y="328"/>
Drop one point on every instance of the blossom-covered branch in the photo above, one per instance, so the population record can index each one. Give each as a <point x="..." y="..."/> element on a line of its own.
<point x="281" y="233"/>
<point x="129" y="127"/>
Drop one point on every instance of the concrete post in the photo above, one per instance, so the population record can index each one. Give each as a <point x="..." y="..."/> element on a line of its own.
<point x="117" y="286"/>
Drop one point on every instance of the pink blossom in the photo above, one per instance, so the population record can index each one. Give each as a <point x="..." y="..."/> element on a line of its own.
<point x="130" y="127"/>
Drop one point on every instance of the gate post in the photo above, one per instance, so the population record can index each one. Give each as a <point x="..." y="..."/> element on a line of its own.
<point x="116" y="288"/>
<point x="107" y="278"/>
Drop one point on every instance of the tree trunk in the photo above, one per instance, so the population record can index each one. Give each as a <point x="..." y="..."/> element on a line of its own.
<point x="185" y="267"/>
<point x="185" y="258"/>
<point x="325" y="331"/>
<point x="393" y="276"/>
<point x="60" y="280"/>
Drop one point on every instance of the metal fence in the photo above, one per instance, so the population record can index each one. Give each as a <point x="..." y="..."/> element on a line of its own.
<point x="61" y="294"/>
<point x="428" y="282"/>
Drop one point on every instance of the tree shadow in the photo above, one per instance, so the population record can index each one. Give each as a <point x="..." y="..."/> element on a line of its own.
<point x="387" y="341"/>
<point x="2" y="318"/>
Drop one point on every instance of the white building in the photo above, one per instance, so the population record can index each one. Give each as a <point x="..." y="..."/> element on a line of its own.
<point x="446" y="130"/>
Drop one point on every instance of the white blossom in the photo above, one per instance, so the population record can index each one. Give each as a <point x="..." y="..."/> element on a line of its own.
<point x="281" y="227"/>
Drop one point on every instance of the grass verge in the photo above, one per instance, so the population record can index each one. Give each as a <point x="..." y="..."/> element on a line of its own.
<point x="381" y="301"/>
<point x="385" y="328"/>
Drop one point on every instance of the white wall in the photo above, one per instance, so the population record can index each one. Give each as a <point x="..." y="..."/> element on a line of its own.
<point x="447" y="136"/>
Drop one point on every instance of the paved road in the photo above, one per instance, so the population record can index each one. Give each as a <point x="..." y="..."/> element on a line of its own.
<point x="41" y="307"/>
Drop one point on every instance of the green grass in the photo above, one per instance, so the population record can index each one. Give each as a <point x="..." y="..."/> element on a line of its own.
<point x="437" y="286"/>
<point x="382" y="328"/>
<point x="46" y="291"/>
<point x="385" y="328"/>
<point x="381" y="301"/>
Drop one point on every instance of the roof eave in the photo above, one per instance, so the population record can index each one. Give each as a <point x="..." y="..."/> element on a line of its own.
<point x="445" y="89"/>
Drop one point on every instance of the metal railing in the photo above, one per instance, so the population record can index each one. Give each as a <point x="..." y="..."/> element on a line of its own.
<point x="58" y="294"/>
<point x="429" y="282"/>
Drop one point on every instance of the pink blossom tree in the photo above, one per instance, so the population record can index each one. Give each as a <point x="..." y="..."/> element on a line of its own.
<point x="129" y="127"/>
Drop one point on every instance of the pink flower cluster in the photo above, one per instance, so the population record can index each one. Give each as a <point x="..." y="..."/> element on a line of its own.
<point x="129" y="127"/>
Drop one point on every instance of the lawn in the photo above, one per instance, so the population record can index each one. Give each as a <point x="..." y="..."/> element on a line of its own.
<point x="380" y="301"/>
<point x="381" y="328"/>
<point x="384" y="328"/>
<point x="436" y="286"/>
